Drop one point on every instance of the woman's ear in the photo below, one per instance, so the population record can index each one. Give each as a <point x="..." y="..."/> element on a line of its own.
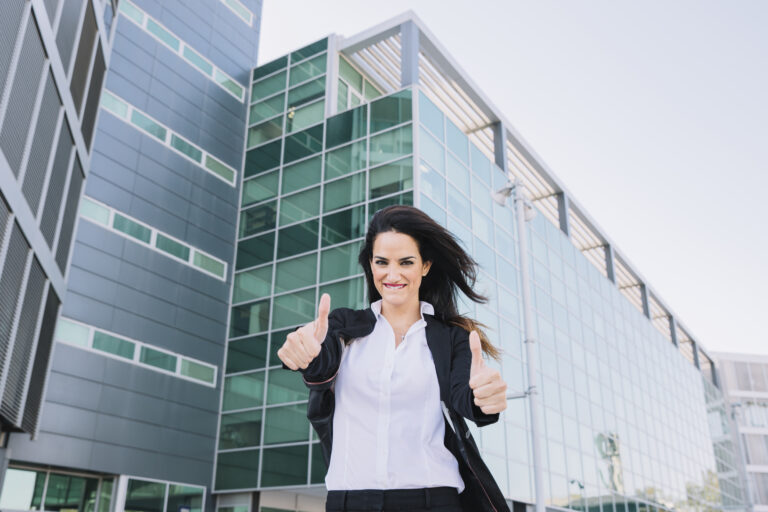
<point x="425" y="268"/>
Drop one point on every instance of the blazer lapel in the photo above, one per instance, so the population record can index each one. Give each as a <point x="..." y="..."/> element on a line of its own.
<point x="438" y="340"/>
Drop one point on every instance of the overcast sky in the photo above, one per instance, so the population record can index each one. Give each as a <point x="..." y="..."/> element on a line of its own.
<point x="654" y="115"/>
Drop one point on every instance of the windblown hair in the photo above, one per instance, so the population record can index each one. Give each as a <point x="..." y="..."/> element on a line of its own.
<point x="452" y="270"/>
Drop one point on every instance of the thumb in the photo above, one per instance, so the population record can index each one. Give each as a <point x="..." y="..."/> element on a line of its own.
<point x="477" y="352"/>
<point x="321" y="322"/>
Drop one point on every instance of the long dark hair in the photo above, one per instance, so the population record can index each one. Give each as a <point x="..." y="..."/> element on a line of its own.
<point x="452" y="269"/>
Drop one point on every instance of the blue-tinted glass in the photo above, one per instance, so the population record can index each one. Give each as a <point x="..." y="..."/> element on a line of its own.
<point x="262" y="158"/>
<point x="432" y="183"/>
<point x="391" y="110"/>
<point x="431" y="151"/>
<point x="485" y="257"/>
<point x="457" y="173"/>
<point x="432" y="209"/>
<point x="481" y="196"/>
<point x="482" y="226"/>
<point x="303" y="144"/>
<point x="480" y="164"/>
<point x="457" y="142"/>
<point x="430" y="116"/>
<point x="346" y="127"/>
<point x="458" y="205"/>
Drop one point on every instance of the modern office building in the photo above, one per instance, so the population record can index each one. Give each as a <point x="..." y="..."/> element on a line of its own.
<point x="745" y="382"/>
<point x="223" y="200"/>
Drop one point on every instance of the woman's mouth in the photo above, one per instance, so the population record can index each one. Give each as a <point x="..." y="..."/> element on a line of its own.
<point x="394" y="286"/>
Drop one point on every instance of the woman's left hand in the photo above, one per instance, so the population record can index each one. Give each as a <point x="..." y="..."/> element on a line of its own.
<point x="488" y="387"/>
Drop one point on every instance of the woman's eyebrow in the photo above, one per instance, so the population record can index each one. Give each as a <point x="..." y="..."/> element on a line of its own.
<point x="401" y="259"/>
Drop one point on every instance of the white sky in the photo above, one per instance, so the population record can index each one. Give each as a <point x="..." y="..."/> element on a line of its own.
<point x="654" y="115"/>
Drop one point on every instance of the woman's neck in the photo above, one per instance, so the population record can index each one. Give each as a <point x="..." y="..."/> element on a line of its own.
<point x="401" y="316"/>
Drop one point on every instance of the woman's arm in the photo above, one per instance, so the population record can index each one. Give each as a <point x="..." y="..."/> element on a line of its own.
<point x="462" y="395"/>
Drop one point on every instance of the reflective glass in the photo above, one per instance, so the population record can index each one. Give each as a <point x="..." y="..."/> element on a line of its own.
<point x="481" y="166"/>
<point x="485" y="257"/>
<point x="430" y="116"/>
<point x="297" y="239"/>
<point x="260" y="188"/>
<point x="377" y="205"/>
<point x="114" y="104"/>
<point x="131" y="228"/>
<point x="302" y="174"/>
<point x="207" y="263"/>
<point x="268" y="86"/>
<point x="197" y="371"/>
<point x="345" y="225"/>
<point x="307" y="69"/>
<point x="458" y="205"/>
<point x="346" y="127"/>
<point x="301" y="206"/>
<point x="219" y="169"/>
<point x="457" y="141"/>
<point x="198" y="60"/>
<point x="237" y="470"/>
<point x="132" y="12"/>
<point x="505" y="244"/>
<point x="247" y="354"/>
<point x="303" y="144"/>
<point x="284" y="466"/>
<point x="457" y="174"/>
<point x="113" y="345"/>
<point x="294" y="308"/>
<point x="265" y="131"/>
<point x="105" y="496"/>
<point x="162" y="34"/>
<point x="258" y="218"/>
<point x="286" y="387"/>
<point x="144" y="496"/>
<point x="269" y="68"/>
<point x="342" y="96"/>
<point x="391" y="110"/>
<point x="432" y="209"/>
<point x="287" y="424"/>
<point x="228" y="83"/>
<point x="184" y="497"/>
<point x="159" y="359"/>
<point x="243" y="391"/>
<point x="240" y="429"/>
<point x="481" y="196"/>
<point x="255" y="251"/>
<point x="72" y="333"/>
<point x="461" y="232"/>
<point x="339" y="262"/>
<point x="296" y="273"/>
<point x="344" y="192"/>
<point x="186" y="148"/>
<point x="277" y="340"/>
<point x="391" y="178"/>
<point x="370" y="91"/>
<point x="482" y="226"/>
<point x="171" y="246"/>
<point x="249" y="318"/>
<point x="431" y="151"/>
<point x="350" y="74"/>
<point x="307" y="92"/>
<point x="148" y="125"/>
<point x="300" y="118"/>
<point x="309" y="50"/>
<point x="262" y="158"/>
<point x="344" y="160"/>
<point x="69" y="492"/>
<point x="432" y="183"/>
<point x="390" y="145"/>
<point x="318" y="467"/>
<point x="346" y="294"/>
<point x="252" y="284"/>
<point x="266" y="109"/>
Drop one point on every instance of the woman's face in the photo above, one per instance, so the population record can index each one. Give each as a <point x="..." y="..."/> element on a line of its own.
<point x="397" y="269"/>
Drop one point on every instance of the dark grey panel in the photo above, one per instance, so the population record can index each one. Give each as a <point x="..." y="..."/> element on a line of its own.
<point x="50" y="217"/>
<point x="70" y="210"/>
<point x="11" y="406"/>
<point x="5" y="214"/>
<point x="83" y="58"/>
<point x="10" y="23"/>
<point x="21" y="104"/>
<point x="67" y="30"/>
<point x="42" y="141"/>
<point x="94" y="94"/>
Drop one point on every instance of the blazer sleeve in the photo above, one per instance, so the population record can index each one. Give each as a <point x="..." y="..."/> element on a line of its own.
<point x="322" y="370"/>
<point x="462" y="398"/>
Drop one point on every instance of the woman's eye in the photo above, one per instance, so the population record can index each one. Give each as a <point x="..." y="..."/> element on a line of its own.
<point x="409" y="262"/>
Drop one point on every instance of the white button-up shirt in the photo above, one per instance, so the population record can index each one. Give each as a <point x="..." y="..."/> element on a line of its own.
<point x="388" y="424"/>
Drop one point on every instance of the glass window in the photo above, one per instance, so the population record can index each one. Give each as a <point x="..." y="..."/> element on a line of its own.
<point x="340" y="262"/>
<point x="105" y="496"/>
<point x="343" y="92"/>
<point x="285" y="386"/>
<point x="432" y="151"/>
<point x="462" y="233"/>
<point x="265" y="131"/>
<point x="307" y="69"/>
<point x="345" y="225"/>
<point x="243" y="391"/>
<point x="481" y="196"/>
<point x="457" y="174"/>
<point x="184" y="497"/>
<point x="258" y="218"/>
<point x="480" y="164"/>
<point x="113" y="345"/>
<point x="287" y="424"/>
<point x="482" y="226"/>
<point x="309" y="50"/>
<point x="277" y="340"/>
<point x="430" y="116"/>
<point x="268" y="86"/>
<point x="255" y="251"/>
<point x="68" y="492"/>
<point x="205" y="262"/>
<point x="72" y="333"/>
<point x="131" y="228"/>
<point x="302" y="174"/>
<point x="301" y="206"/>
<point x="350" y="74"/>
<point x="391" y="145"/>
<point x="377" y="205"/>
<point x="485" y="257"/>
<point x="300" y="118"/>
<point x="285" y="466"/>
<point x="240" y="429"/>
<point x="269" y="68"/>
<point x="307" y="92"/>
<point x="432" y="209"/>
<point x="219" y="169"/>
<point x="262" y="158"/>
<point x="162" y="34"/>
<point x="228" y="83"/>
<point x="114" y="104"/>
<point x="260" y="188"/>
<point x="266" y="109"/>
<point x="198" y="60"/>
<point x="249" y="318"/>
<point x="303" y="144"/>
<point x="318" y="467"/>
<point x="391" y="178"/>
<point x="197" y="371"/>
<point x="148" y="125"/>
<point x="432" y="183"/>
<point x="370" y="91"/>
<point x="346" y="294"/>
<point x="252" y="284"/>
<point x="247" y="354"/>
<point x="457" y="141"/>
<point x="297" y="239"/>
<point x="237" y="470"/>
<point x="344" y="192"/>
<point x="344" y="160"/>
<point x="346" y="127"/>
<point x="296" y="273"/>
<point x="162" y="360"/>
<point x="294" y="308"/>
<point x="132" y="12"/>
<point x="505" y="245"/>
<point x="172" y="247"/>
<point x="391" y="110"/>
<point x="22" y="489"/>
<point x="145" y="496"/>
<point x="458" y="205"/>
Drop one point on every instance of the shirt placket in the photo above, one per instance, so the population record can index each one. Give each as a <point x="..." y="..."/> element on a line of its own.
<point x="384" y="411"/>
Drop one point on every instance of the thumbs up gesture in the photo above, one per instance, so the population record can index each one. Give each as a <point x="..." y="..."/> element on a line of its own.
<point x="303" y="345"/>
<point x="487" y="385"/>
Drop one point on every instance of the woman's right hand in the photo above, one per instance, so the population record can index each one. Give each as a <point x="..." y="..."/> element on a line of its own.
<point x="303" y="345"/>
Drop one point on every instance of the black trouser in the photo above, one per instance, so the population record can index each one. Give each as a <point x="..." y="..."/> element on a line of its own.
<point x="432" y="499"/>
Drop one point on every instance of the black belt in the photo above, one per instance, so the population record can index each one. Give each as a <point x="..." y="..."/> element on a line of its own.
<point x="378" y="499"/>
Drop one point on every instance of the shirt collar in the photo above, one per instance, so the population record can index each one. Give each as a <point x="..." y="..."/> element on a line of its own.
<point x="424" y="308"/>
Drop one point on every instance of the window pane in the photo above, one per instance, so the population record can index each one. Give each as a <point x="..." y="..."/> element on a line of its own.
<point x="237" y="470"/>
<point x="303" y="205"/>
<point x="307" y="92"/>
<point x="370" y="91"/>
<point x="340" y="262"/>
<point x="432" y="183"/>
<point x="485" y="257"/>
<point x="260" y="188"/>
<point x="284" y="466"/>
<point x="252" y="284"/>
<point x="294" y="308"/>
<point x="243" y="391"/>
<point x="297" y="239"/>
<point x="114" y="104"/>
<point x="197" y="60"/>
<point x="457" y="141"/>
<point x="186" y="148"/>
<point x="391" y="110"/>
<point x="303" y="144"/>
<point x="247" y="354"/>
<point x="391" y="145"/>
<point x="342" y="96"/>
<point x="267" y="108"/>
<point x="296" y="273"/>
<point x="249" y="318"/>
<point x="482" y="226"/>
<point x="219" y="168"/>
<point x="432" y="209"/>
<point x="375" y="206"/>
<point x="255" y="251"/>
<point x="262" y="158"/>
<point x="72" y="333"/>
<point x="132" y="12"/>
<point x="228" y="83"/>
<point x="480" y="196"/>
<point x="346" y="127"/>
<point x="162" y="34"/>
<point x="307" y="69"/>
<point x="318" y="467"/>
<point x="345" y="225"/>
<point x="268" y="86"/>
<point x="269" y="68"/>
<point x="131" y="228"/>
<point x="480" y="164"/>
<point x="240" y="430"/>
<point x="345" y="160"/>
<point x="286" y="386"/>
<point x="68" y="492"/>
<point x="172" y="247"/>
<point x="391" y="178"/>
<point x="301" y="175"/>
<point x="277" y="340"/>
<point x="431" y="151"/>
<point x="205" y="262"/>
<point x="430" y="116"/>
<point x="350" y="74"/>
<point x="148" y="125"/>
<point x="158" y="359"/>
<point x="346" y="294"/>
<point x="258" y="218"/>
<point x="265" y="131"/>
<point x="302" y="117"/>
<point x="113" y="345"/>
<point x="183" y="496"/>
<point x="197" y="371"/>
<point x="145" y="496"/>
<point x="22" y="489"/>
<point x="458" y="205"/>
<point x="457" y="174"/>
<point x="344" y="192"/>
<point x="287" y="424"/>
<point x="309" y="50"/>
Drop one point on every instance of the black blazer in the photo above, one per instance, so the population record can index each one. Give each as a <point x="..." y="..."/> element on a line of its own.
<point x="449" y="346"/>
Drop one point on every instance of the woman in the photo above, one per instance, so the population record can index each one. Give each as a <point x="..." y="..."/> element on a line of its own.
<point x="389" y="385"/>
